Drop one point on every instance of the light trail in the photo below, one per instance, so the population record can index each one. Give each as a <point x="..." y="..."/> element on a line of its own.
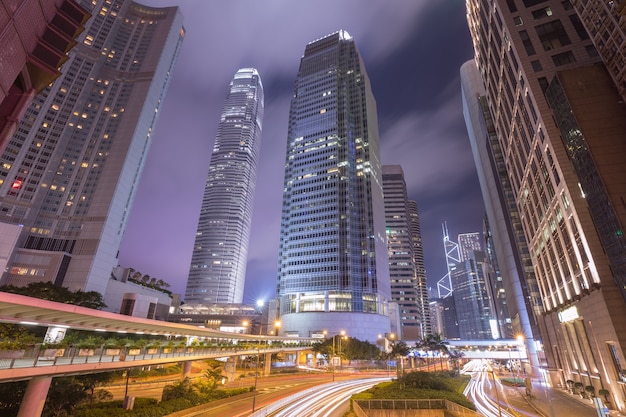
<point x="477" y="388"/>
<point x="325" y="400"/>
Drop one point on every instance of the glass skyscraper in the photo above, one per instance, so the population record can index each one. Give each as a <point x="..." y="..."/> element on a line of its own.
<point x="333" y="272"/>
<point x="218" y="264"/>
<point x="70" y="171"/>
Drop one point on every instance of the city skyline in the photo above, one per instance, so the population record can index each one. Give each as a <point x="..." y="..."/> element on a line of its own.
<point x="417" y="89"/>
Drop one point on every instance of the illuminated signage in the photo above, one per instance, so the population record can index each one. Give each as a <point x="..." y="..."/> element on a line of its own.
<point x="568" y="314"/>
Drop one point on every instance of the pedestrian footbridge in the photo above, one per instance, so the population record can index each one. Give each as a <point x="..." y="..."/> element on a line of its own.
<point x="40" y="365"/>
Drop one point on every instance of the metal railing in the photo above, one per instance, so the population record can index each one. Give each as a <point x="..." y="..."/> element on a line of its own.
<point x="361" y="406"/>
<point x="36" y="357"/>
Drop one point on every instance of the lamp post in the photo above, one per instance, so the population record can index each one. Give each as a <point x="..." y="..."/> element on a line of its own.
<point x="332" y="356"/>
<point x="520" y="341"/>
<point x="342" y="334"/>
<point x="277" y="325"/>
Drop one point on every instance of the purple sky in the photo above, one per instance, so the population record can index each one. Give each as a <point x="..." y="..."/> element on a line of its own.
<point x="412" y="50"/>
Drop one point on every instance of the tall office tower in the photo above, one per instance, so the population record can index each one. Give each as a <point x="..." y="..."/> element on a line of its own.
<point x="471" y="298"/>
<point x="420" y="268"/>
<point x="468" y="243"/>
<point x="35" y="39"/>
<point x="437" y="322"/>
<point x="496" y="287"/>
<point x="333" y="272"/>
<point x="509" y="242"/>
<point x="519" y="51"/>
<point x="70" y="172"/>
<point x="450" y="320"/>
<point x="605" y="21"/>
<point x="401" y="248"/>
<point x="218" y="264"/>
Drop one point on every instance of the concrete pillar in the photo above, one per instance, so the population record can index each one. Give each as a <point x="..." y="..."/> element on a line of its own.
<point x="35" y="397"/>
<point x="186" y="370"/>
<point x="230" y="368"/>
<point x="268" y="364"/>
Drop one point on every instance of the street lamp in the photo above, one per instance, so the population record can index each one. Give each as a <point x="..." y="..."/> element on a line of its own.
<point x="520" y="341"/>
<point x="277" y="325"/>
<point x="342" y="334"/>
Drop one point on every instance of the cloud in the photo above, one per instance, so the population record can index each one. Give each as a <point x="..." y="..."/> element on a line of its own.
<point x="412" y="50"/>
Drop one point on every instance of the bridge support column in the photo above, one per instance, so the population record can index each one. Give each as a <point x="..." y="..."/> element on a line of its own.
<point x="35" y="397"/>
<point x="268" y="364"/>
<point x="186" y="370"/>
<point x="231" y="368"/>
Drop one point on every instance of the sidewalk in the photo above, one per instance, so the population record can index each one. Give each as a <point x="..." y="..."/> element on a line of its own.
<point x="553" y="402"/>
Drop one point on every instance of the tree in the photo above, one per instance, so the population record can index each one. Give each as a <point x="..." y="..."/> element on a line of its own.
<point x="51" y="292"/>
<point x="180" y="389"/>
<point x="91" y="381"/>
<point x="435" y="343"/>
<point x="11" y="394"/>
<point x="214" y="373"/>
<point x="399" y="350"/>
<point x="455" y="357"/>
<point x="64" y="395"/>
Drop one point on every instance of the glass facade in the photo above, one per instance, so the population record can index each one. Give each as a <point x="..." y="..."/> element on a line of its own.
<point x="218" y="264"/>
<point x="333" y="254"/>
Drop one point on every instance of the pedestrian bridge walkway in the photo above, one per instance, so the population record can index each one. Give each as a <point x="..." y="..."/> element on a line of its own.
<point x="39" y="362"/>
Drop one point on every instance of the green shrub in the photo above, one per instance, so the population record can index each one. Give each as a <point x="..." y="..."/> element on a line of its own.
<point x="421" y="385"/>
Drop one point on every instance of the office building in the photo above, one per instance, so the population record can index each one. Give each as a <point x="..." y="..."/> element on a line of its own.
<point x="70" y="171"/>
<point x="471" y="298"/>
<point x="508" y="242"/>
<point x="35" y="38"/>
<point x="468" y="243"/>
<point x="524" y="52"/>
<point x="403" y="239"/>
<point x="333" y="272"/>
<point x="501" y="328"/>
<point x="605" y="22"/>
<point x="420" y="268"/>
<point x="218" y="264"/>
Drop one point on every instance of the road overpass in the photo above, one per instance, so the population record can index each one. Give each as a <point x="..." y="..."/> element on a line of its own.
<point x="39" y="367"/>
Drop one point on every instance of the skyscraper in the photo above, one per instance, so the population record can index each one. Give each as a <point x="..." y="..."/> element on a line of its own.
<point x="218" y="264"/>
<point x="333" y="270"/>
<point x="35" y="39"/>
<point x="70" y="171"/>
<point x="420" y="268"/>
<point x="468" y="243"/>
<point x="471" y="298"/>
<point x="605" y="22"/>
<point x="507" y="235"/>
<point x="531" y="59"/>
<point x="402" y="224"/>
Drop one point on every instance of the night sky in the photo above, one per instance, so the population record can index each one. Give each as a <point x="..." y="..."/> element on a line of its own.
<point x="412" y="50"/>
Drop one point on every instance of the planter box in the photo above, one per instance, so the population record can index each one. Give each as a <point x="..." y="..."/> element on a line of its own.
<point x="52" y="353"/>
<point x="111" y="351"/>
<point x="152" y="351"/>
<point x="86" y="352"/>
<point x="134" y="352"/>
<point x="11" y="354"/>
